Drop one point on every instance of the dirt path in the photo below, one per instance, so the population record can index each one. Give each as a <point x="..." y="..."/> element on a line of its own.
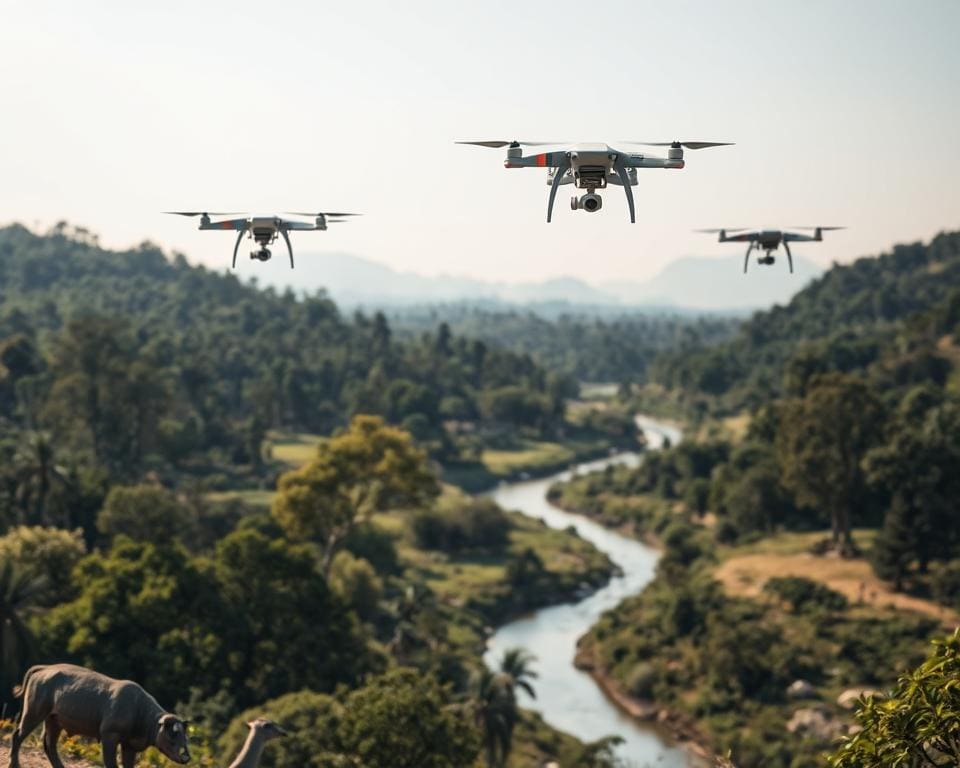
<point x="34" y="758"/>
<point x="746" y="574"/>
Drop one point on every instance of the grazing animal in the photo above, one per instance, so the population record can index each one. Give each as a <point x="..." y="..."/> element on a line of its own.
<point x="80" y="701"/>
<point x="261" y="731"/>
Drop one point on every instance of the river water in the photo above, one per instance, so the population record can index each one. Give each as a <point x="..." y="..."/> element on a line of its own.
<point x="567" y="697"/>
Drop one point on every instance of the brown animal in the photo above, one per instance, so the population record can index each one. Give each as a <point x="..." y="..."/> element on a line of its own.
<point x="80" y="701"/>
<point x="261" y="731"/>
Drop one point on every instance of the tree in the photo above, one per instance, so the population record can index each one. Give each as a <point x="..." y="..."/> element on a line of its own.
<point x="48" y="554"/>
<point x="918" y="725"/>
<point x="145" y="512"/>
<point x="917" y="469"/>
<point x="515" y="666"/>
<point x="495" y="714"/>
<point x="38" y="474"/>
<point x="19" y="594"/>
<point x="368" y="468"/>
<point x="402" y="719"/>
<point x="821" y="442"/>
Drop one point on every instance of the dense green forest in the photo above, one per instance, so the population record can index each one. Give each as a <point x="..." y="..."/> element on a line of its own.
<point x="129" y="363"/>
<point x="809" y="519"/>
<point x="234" y="497"/>
<point x="613" y="347"/>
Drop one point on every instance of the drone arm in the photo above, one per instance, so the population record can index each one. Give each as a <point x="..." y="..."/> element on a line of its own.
<point x="232" y="224"/>
<point x="796" y="237"/>
<point x="746" y="259"/>
<point x="557" y="181"/>
<point x="286" y="239"/>
<point x="786" y="245"/>
<point x="236" y="246"/>
<point x="621" y="170"/>
<point x="643" y="161"/>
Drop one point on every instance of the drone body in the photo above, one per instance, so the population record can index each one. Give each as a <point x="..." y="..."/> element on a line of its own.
<point x="592" y="166"/>
<point x="264" y="230"/>
<point x="768" y="240"/>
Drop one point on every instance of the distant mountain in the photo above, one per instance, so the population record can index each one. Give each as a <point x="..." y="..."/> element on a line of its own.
<point x="718" y="283"/>
<point x="689" y="283"/>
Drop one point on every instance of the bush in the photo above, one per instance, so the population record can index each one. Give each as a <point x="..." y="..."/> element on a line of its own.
<point x="805" y="594"/>
<point x="479" y="524"/>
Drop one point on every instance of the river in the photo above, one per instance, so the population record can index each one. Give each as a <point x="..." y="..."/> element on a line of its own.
<point x="568" y="698"/>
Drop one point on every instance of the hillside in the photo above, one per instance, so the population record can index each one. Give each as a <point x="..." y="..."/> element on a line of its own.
<point x="839" y="322"/>
<point x="209" y="364"/>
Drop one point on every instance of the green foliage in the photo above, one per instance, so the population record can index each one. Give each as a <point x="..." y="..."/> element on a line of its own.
<point x="357" y="583"/>
<point x="242" y="622"/>
<point x="47" y="554"/>
<point x="614" y="347"/>
<point x="821" y="442"/>
<point x="368" y="468"/>
<point x="475" y="524"/>
<point x="805" y="594"/>
<point x="148" y="513"/>
<point x="918" y="724"/>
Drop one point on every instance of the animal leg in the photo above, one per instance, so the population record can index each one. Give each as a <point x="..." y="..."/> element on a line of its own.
<point x="128" y="756"/>
<point x="28" y="723"/>
<point x="51" y="732"/>
<point x="109" y="744"/>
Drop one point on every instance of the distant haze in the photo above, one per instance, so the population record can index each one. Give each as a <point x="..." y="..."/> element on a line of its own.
<point x="690" y="283"/>
<point x="844" y="112"/>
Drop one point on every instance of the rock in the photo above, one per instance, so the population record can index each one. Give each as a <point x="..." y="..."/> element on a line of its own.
<point x="817" y="723"/>
<point x="848" y="699"/>
<point x="801" y="689"/>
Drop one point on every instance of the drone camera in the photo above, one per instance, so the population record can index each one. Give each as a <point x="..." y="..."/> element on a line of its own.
<point x="591" y="203"/>
<point x="262" y="255"/>
<point x="767" y="260"/>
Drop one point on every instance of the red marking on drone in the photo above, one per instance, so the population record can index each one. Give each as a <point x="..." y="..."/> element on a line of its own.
<point x="542" y="160"/>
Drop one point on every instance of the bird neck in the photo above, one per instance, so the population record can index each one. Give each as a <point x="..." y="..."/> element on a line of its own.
<point x="249" y="756"/>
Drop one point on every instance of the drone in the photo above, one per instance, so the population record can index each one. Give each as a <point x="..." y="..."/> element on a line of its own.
<point x="264" y="229"/>
<point x="768" y="240"/>
<point x="593" y="166"/>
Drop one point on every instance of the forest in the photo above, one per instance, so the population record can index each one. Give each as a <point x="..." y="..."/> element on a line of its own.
<point x="237" y="498"/>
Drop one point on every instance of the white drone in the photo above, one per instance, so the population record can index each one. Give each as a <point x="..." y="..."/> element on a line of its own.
<point x="768" y="240"/>
<point x="593" y="166"/>
<point x="264" y="229"/>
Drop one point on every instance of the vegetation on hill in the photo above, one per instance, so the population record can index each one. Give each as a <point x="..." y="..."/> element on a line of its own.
<point x="613" y="347"/>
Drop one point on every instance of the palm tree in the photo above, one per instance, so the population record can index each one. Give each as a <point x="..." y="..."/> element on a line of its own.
<point x="19" y="592"/>
<point x="515" y="667"/>
<point x="495" y="712"/>
<point x="37" y="473"/>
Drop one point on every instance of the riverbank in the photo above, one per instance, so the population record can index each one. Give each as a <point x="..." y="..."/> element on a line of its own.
<point x="681" y="728"/>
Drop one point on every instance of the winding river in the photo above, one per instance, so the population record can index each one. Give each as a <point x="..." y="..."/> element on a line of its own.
<point x="567" y="697"/>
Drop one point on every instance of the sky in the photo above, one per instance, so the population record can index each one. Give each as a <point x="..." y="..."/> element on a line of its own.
<point x="843" y="113"/>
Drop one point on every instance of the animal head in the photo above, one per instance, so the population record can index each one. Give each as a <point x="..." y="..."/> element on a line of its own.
<point x="172" y="738"/>
<point x="267" y="728"/>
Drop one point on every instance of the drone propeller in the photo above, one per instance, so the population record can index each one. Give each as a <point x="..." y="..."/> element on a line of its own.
<point x="497" y="144"/>
<point x="824" y="229"/>
<point x="687" y="144"/>
<point x="204" y="213"/>
<point x="320" y="213"/>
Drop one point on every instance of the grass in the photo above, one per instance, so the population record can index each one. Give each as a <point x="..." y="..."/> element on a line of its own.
<point x="293" y="449"/>
<point x="530" y="456"/>
<point x="744" y="570"/>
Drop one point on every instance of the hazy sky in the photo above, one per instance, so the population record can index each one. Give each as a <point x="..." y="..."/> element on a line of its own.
<point x="844" y="112"/>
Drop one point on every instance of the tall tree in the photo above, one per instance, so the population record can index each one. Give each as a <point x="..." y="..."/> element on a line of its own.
<point x="368" y="468"/>
<point x="20" y="591"/>
<point x="821" y="441"/>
